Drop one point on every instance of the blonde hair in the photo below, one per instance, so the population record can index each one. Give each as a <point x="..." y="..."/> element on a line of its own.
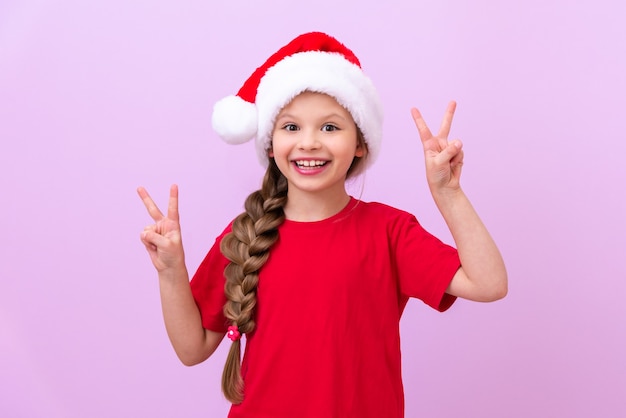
<point x="247" y="247"/>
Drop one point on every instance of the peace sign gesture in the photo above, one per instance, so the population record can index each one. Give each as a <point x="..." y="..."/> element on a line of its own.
<point x="163" y="238"/>
<point x="443" y="159"/>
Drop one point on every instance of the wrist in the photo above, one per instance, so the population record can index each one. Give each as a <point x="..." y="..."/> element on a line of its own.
<point x="174" y="274"/>
<point x="446" y="194"/>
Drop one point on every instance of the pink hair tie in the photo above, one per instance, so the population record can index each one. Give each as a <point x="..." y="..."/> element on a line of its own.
<point x="233" y="333"/>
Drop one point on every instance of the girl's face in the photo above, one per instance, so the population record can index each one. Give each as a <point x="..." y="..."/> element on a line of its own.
<point x="314" y="142"/>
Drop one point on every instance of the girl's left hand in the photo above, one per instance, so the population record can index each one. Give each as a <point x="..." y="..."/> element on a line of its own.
<point x="443" y="159"/>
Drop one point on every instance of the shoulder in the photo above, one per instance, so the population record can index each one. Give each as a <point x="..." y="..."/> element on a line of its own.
<point x="383" y="212"/>
<point x="397" y="224"/>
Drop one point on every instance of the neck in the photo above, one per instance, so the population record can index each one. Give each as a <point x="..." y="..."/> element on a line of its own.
<point x="311" y="207"/>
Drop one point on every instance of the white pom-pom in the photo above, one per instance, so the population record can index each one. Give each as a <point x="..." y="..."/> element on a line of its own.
<point x="235" y="120"/>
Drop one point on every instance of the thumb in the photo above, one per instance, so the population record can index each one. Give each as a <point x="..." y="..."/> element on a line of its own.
<point x="450" y="151"/>
<point x="150" y="237"/>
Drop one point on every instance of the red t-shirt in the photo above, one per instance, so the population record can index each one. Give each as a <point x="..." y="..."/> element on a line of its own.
<point x="329" y="302"/>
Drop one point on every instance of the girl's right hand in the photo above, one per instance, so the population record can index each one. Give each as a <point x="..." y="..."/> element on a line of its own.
<point x="163" y="238"/>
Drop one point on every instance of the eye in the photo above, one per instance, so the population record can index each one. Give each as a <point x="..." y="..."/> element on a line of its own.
<point x="329" y="127"/>
<point x="291" y="127"/>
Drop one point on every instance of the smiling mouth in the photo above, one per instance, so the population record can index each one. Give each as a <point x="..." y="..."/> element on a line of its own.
<point x="310" y="164"/>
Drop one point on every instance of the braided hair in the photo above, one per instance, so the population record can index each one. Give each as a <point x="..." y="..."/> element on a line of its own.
<point x="247" y="247"/>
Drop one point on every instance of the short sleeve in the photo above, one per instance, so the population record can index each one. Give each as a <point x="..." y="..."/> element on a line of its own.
<point x="425" y="265"/>
<point x="207" y="287"/>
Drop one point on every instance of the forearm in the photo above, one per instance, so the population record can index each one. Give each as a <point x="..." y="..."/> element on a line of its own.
<point x="481" y="260"/>
<point x="192" y="343"/>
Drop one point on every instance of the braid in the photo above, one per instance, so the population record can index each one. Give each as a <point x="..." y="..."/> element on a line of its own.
<point x="247" y="247"/>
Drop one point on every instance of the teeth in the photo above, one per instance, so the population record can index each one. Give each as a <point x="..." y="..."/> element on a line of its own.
<point x="309" y="163"/>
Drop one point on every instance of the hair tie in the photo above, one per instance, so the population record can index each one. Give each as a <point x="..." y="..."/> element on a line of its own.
<point x="233" y="333"/>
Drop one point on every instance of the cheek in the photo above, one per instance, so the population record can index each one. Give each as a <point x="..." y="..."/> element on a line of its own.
<point x="279" y="154"/>
<point x="279" y="147"/>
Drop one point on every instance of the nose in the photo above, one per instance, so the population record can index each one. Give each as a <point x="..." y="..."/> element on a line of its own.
<point x="308" y="140"/>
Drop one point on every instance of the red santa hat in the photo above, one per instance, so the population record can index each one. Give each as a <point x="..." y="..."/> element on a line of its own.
<point x="311" y="62"/>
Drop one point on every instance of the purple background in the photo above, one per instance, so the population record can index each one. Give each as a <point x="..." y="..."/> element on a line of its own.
<point x="98" y="97"/>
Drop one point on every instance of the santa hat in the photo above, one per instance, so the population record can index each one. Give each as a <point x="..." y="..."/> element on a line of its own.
<point x="311" y="62"/>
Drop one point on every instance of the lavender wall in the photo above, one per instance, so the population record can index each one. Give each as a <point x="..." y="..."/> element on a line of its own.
<point x="98" y="97"/>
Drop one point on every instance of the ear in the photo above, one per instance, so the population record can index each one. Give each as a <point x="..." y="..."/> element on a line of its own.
<point x="360" y="151"/>
<point x="270" y="152"/>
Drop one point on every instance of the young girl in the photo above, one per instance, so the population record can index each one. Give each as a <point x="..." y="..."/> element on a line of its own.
<point x="315" y="279"/>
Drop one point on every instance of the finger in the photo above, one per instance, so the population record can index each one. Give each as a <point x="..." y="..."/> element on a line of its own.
<point x="446" y="123"/>
<point x="450" y="152"/>
<point x="153" y="210"/>
<point x="153" y="240"/>
<point x="420" y="123"/>
<point x="172" y="207"/>
<point x="149" y="246"/>
<point x="457" y="160"/>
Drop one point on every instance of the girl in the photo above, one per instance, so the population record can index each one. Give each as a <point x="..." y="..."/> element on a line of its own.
<point x="315" y="279"/>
